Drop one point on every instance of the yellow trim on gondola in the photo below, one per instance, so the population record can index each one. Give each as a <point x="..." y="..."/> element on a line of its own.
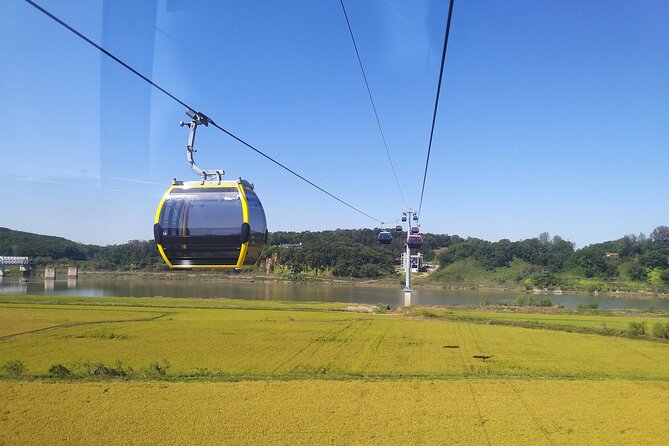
<point x="245" y="216"/>
<point x="157" y="220"/>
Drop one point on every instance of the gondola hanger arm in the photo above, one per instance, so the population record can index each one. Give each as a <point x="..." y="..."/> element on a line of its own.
<point x="198" y="119"/>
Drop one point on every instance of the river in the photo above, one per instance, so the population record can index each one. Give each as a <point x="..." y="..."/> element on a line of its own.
<point x="324" y="292"/>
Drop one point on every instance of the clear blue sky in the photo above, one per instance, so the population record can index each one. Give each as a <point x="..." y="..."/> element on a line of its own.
<point x="554" y="116"/>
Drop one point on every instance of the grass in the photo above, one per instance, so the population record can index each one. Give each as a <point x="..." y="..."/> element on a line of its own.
<point x="216" y="371"/>
<point x="470" y="271"/>
<point x="169" y="302"/>
<point x="20" y="318"/>
<point x="521" y="275"/>
<point x="237" y="344"/>
<point x="565" y="319"/>
<point x="311" y="412"/>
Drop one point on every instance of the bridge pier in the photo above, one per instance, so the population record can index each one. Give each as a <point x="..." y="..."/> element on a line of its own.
<point x="26" y="271"/>
<point x="50" y="273"/>
<point x="72" y="272"/>
<point x="2" y="270"/>
<point x="407" y="297"/>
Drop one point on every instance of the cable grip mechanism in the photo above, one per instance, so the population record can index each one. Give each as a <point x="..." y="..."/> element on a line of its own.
<point x="198" y="119"/>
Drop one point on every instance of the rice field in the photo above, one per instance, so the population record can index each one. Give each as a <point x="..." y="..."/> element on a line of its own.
<point x="534" y="412"/>
<point x="602" y="319"/>
<point x="242" y="372"/>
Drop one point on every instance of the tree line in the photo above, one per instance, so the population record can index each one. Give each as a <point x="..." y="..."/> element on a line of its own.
<point x="357" y="253"/>
<point x="631" y="258"/>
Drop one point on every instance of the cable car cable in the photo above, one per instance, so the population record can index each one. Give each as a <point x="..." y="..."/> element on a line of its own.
<point x="436" y="101"/>
<point x="371" y="99"/>
<point x="167" y="93"/>
<point x="116" y="59"/>
<point x="293" y="172"/>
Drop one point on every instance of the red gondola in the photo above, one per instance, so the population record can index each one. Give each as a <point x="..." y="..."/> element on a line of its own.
<point x="415" y="242"/>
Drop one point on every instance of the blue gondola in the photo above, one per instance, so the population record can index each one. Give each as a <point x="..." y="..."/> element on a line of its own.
<point x="385" y="237"/>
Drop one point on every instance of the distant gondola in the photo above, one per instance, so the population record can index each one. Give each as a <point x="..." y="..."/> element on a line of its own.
<point x="385" y="238"/>
<point x="398" y="228"/>
<point x="415" y="229"/>
<point x="415" y="242"/>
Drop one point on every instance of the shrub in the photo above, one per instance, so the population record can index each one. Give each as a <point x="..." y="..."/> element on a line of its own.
<point x="428" y="313"/>
<point x="548" y="281"/>
<point x="661" y="330"/>
<point x="532" y="301"/>
<point x="59" y="371"/>
<point x="158" y="369"/>
<point x="103" y="370"/>
<point x="637" y="329"/>
<point x="14" y="368"/>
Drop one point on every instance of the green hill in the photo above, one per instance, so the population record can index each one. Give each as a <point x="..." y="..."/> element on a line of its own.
<point x="43" y="247"/>
<point x="631" y="263"/>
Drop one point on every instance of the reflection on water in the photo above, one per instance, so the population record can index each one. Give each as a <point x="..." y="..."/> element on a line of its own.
<point x="294" y="291"/>
<point x="6" y="287"/>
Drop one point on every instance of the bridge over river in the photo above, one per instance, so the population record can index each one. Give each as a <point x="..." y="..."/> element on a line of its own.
<point x="22" y="262"/>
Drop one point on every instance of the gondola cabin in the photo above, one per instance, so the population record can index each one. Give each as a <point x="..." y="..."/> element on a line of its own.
<point x="385" y="238"/>
<point x="415" y="229"/>
<point x="212" y="224"/>
<point x="415" y="242"/>
<point x="398" y="228"/>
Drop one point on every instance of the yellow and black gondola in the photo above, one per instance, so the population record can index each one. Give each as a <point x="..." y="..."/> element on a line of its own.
<point x="211" y="223"/>
<point x="217" y="224"/>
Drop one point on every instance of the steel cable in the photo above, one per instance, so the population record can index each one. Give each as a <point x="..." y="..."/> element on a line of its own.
<point x="184" y="104"/>
<point x="436" y="102"/>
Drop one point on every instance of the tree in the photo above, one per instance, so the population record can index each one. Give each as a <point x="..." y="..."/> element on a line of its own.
<point x="544" y="238"/>
<point x="638" y="273"/>
<point x="628" y="246"/>
<point x="654" y="259"/>
<point x="660" y="234"/>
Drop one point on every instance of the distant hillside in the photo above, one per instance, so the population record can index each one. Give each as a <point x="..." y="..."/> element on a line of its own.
<point x="45" y="247"/>
<point x="631" y="263"/>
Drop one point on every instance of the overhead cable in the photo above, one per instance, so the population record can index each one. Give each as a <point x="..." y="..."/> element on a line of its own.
<point x="436" y="101"/>
<point x="184" y="104"/>
<point x="371" y="99"/>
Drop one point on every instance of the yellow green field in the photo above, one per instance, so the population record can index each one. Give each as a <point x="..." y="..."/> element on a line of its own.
<point x="461" y="411"/>
<point x="601" y="319"/>
<point x="215" y="371"/>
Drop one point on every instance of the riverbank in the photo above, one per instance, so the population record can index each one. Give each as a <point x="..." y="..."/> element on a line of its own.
<point x="420" y="281"/>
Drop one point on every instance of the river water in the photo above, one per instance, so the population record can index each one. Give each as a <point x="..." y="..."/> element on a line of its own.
<point x="324" y="292"/>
